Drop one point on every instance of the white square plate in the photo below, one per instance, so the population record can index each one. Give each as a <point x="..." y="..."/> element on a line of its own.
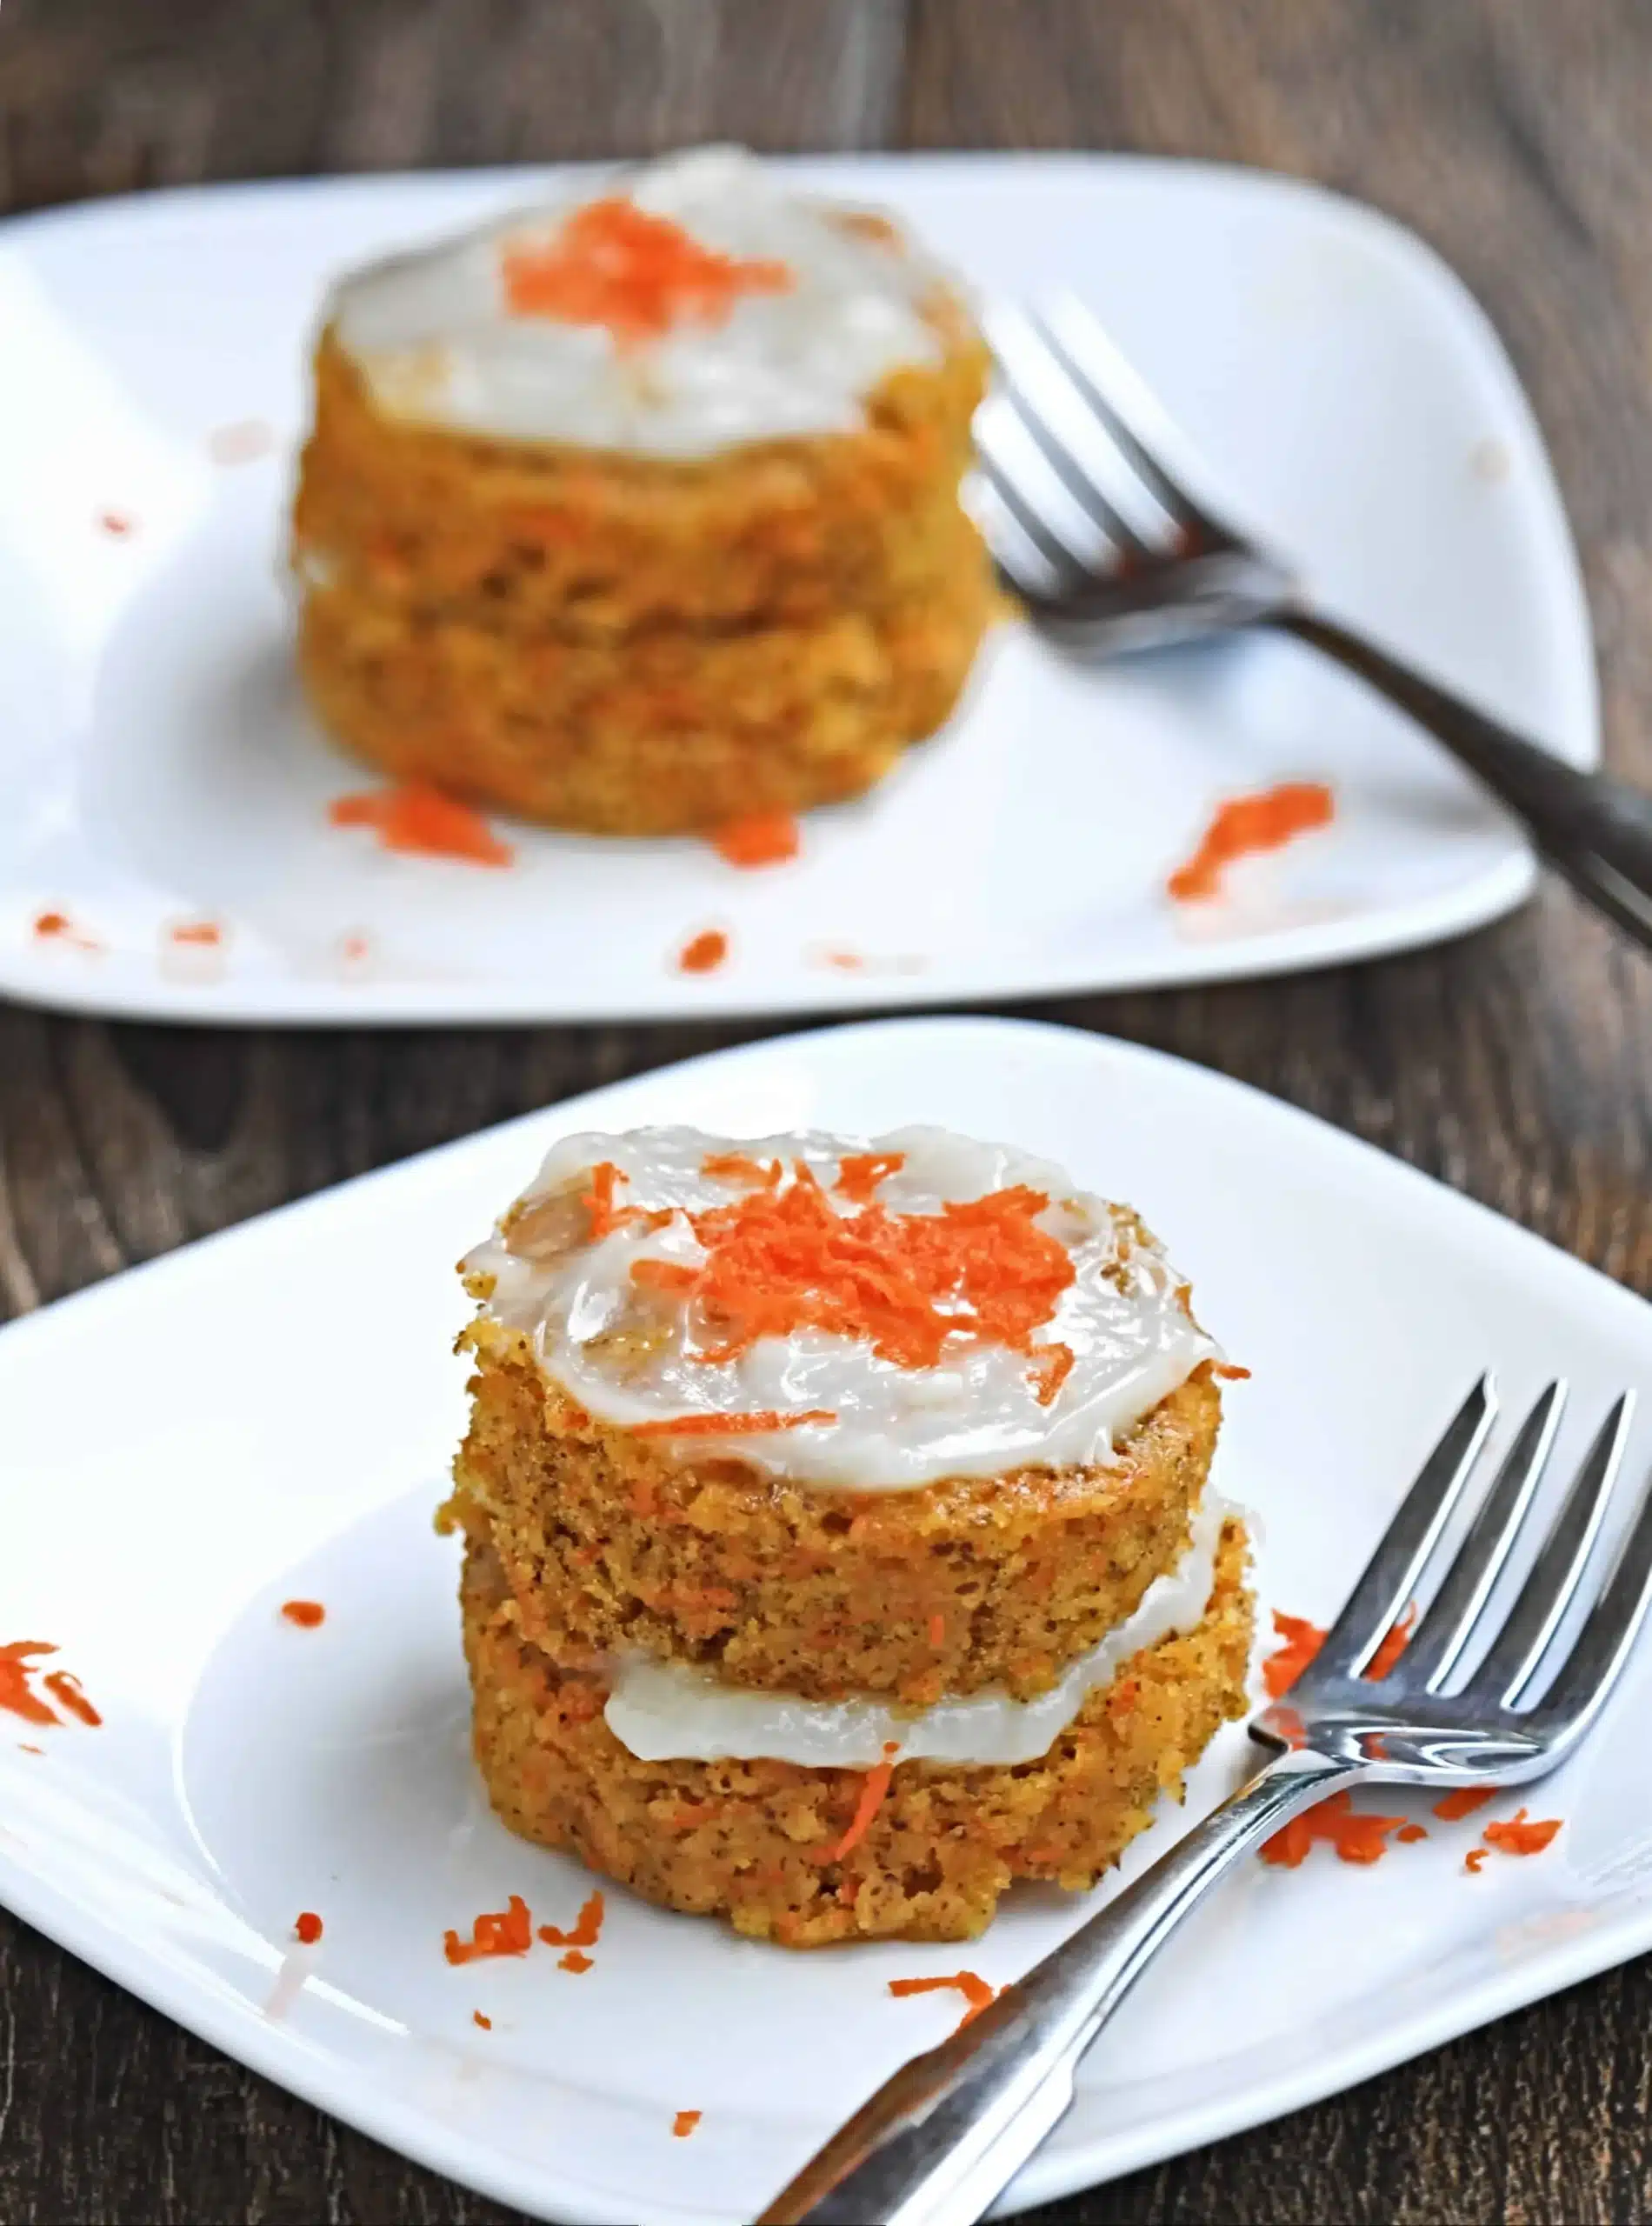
<point x="272" y="1415"/>
<point x="158" y="766"/>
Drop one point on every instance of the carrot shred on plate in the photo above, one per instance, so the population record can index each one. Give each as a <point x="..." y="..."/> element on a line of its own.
<point x="307" y="1926"/>
<point x="486" y="2024"/>
<point x="704" y="953"/>
<point x="309" y="1615"/>
<point x="586" y="1929"/>
<point x="64" y="1688"/>
<point x="1355" y="1836"/>
<point x="1299" y="1642"/>
<point x="1516" y="1837"/>
<point x="760" y="838"/>
<point x="57" y="927"/>
<point x="1411" y="1833"/>
<point x="1474" y="1858"/>
<point x="421" y="821"/>
<point x="1453" y="1807"/>
<point x="508" y="1931"/>
<point x="576" y="1961"/>
<point x="16" y="1669"/>
<point x="207" y="934"/>
<point x="1243" y="825"/>
<point x="874" y="1786"/>
<point x="632" y="271"/>
<point x="974" y="1989"/>
<point x="859" y="1174"/>
<point x="684" y="2122"/>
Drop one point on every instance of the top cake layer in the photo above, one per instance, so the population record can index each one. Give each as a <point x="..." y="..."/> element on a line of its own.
<point x="691" y="305"/>
<point x="848" y="1315"/>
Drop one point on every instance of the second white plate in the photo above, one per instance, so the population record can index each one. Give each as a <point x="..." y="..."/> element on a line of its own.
<point x="159" y="770"/>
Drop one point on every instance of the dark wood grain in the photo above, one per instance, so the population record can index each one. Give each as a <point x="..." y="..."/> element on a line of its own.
<point x="1517" y="1065"/>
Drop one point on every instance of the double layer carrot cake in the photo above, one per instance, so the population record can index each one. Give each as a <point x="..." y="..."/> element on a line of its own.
<point x="838" y="1544"/>
<point x="639" y="511"/>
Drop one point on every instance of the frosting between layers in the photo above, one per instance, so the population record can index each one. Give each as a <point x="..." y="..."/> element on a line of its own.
<point x="634" y="1358"/>
<point x="668" y="1711"/>
<point x="434" y="334"/>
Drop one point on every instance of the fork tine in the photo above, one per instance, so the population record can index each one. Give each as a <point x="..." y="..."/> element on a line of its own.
<point x="1011" y="492"/>
<point x="1131" y="412"/>
<point x="1387" y="1581"/>
<point x="1603" y="1645"/>
<point x="1514" y="1655"/>
<point x="1439" y="1639"/>
<point x="1062" y="416"/>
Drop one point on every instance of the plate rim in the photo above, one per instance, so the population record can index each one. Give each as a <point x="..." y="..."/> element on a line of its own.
<point x="41" y="979"/>
<point x="374" y="2108"/>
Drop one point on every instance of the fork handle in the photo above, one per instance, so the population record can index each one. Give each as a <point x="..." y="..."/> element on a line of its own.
<point x="1596" y="831"/>
<point x="939" y="2141"/>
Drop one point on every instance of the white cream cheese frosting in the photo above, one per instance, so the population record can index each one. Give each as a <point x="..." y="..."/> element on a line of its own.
<point x="436" y="337"/>
<point x="673" y="1712"/>
<point x="636" y="1358"/>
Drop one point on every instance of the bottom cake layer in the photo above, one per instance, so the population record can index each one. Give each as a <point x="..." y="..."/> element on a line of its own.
<point x="775" y="1847"/>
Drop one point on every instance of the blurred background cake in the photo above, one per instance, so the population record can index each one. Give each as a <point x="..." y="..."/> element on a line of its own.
<point x="839" y="1546"/>
<point x="639" y="513"/>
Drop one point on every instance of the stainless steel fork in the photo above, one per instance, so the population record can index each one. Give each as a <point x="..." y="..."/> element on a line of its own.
<point x="947" y="2134"/>
<point x="1097" y="513"/>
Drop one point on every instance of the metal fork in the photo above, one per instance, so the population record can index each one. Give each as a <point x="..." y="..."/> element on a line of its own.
<point x="1095" y="512"/>
<point x="948" y="2132"/>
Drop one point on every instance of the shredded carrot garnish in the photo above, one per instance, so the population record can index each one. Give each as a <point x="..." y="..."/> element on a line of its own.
<point x="781" y="1260"/>
<point x="874" y="1786"/>
<point x="116" y="523"/>
<point x="206" y="933"/>
<point x="740" y="1167"/>
<point x="64" y="1688"/>
<point x="1411" y="1833"/>
<point x="684" y="2122"/>
<point x="309" y="1615"/>
<point x="486" y="2024"/>
<point x="1300" y="1640"/>
<point x="574" y="1961"/>
<point x="969" y="1984"/>
<point x="1474" y="1857"/>
<point x="704" y="953"/>
<point x="1393" y="1643"/>
<point x="1052" y="1365"/>
<point x="1463" y="1802"/>
<point x="729" y="1425"/>
<point x="1266" y="821"/>
<point x="499" y="1932"/>
<point x="57" y="927"/>
<point x="1516" y="1837"/>
<point x="423" y="822"/>
<point x="634" y="273"/>
<point x="937" y="1631"/>
<point x="24" y="1748"/>
<point x="1357" y="1838"/>
<point x="845" y="962"/>
<point x="587" y="1927"/>
<point x="16" y="1669"/>
<point x="762" y="838"/>
<point x="308" y="1927"/>
<point x="606" y="1217"/>
<point x="1229" y="1371"/>
<point x="859" y="1174"/>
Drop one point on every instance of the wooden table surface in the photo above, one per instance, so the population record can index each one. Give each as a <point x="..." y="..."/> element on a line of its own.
<point x="1516" y="1064"/>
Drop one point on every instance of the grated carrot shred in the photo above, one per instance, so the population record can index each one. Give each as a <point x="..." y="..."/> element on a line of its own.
<point x="606" y="1217"/>
<point x="574" y="1961"/>
<point x="781" y="1260"/>
<point x="859" y="1174"/>
<point x="309" y="1615"/>
<point x="508" y="1931"/>
<point x="704" y="953"/>
<point x="308" y="1927"/>
<point x="760" y="838"/>
<point x="632" y="272"/>
<point x="1473" y="1859"/>
<point x="1052" y="1366"/>
<point x="1266" y="821"/>
<point x="421" y="821"/>
<point x="64" y="1688"/>
<point x="16" y="1669"/>
<point x="486" y="2024"/>
<point x="587" y="1927"/>
<point x="1463" y="1802"/>
<point x="974" y="1989"/>
<point x="1356" y="1837"/>
<point x="1411" y="1833"/>
<point x="207" y="933"/>
<point x="874" y="1786"/>
<point x="1300" y="1640"/>
<point x="729" y="1425"/>
<point x="684" y="2122"/>
<point x="1517" y="1836"/>
<point x="740" y="1167"/>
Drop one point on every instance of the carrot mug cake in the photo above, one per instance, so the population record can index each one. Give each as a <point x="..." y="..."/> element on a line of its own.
<point x="838" y="1546"/>
<point x="639" y="511"/>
